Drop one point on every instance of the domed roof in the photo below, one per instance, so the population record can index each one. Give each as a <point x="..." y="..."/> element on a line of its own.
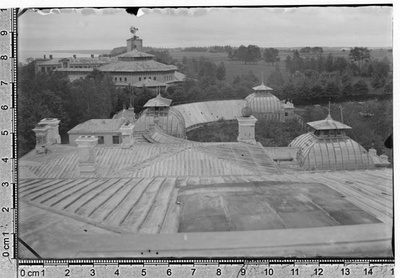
<point x="330" y="153"/>
<point x="262" y="101"/>
<point x="169" y="119"/>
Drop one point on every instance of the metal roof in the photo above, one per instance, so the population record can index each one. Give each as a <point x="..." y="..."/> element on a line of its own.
<point x="137" y="66"/>
<point x="262" y="87"/>
<point x="98" y="125"/>
<point x="198" y="113"/>
<point x="327" y="124"/>
<point x="158" y="101"/>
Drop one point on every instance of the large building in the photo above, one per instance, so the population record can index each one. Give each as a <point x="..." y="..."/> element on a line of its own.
<point x="133" y="68"/>
<point x="157" y="194"/>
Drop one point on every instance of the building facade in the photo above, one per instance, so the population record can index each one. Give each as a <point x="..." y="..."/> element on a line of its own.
<point x="133" y="68"/>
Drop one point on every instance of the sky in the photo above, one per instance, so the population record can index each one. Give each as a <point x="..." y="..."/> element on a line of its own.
<point x="70" y="29"/>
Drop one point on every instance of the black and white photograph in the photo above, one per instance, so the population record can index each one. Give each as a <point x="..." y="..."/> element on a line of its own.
<point x="207" y="132"/>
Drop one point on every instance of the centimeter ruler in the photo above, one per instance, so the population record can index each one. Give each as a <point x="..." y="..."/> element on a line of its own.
<point x="8" y="154"/>
<point x="11" y="266"/>
<point x="206" y="268"/>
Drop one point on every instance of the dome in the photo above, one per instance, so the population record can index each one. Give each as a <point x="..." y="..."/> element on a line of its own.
<point x="330" y="153"/>
<point x="169" y="119"/>
<point x="263" y="102"/>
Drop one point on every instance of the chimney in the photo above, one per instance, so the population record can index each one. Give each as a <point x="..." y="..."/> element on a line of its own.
<point x="44" y="57"/>
<point x="247" y="124"/>
<point x="87" y="155"/>
<point x="51" y="57"/>
<point x="127" y="135"/>
<point x="53" y="135"/>
<point x="92" y="55"/>
<point x="74" y="56"/>
<point x="41" y="132"/>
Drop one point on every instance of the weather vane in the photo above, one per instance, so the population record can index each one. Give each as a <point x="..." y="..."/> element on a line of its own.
<point x="133" y="30"/>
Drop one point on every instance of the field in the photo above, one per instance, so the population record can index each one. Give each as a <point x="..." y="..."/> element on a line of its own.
<point x="234" y="68"/>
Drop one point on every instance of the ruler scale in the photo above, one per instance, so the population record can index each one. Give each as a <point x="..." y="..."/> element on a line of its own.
<point x="11" y="266"/>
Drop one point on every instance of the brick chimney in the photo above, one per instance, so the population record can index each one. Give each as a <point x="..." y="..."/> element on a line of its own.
<point x="74" y="56"/>
<point x="87" y="155"/>
<point x="51" y="57"/>
<point x="92" y="55"/>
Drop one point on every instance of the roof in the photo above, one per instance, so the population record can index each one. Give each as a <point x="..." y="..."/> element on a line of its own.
<point x="121" y="217"/>
<point x="199" y="113"/>
<point x="158" y="101"/>
<point x="134" y="54"/>
<point x="149" y="83"/>
<point x="178" y="77"/>
<point x="79" y="61"/>
<point x="262" y="87"/>
<point x="137" y="66"/>
<point x="171" y="122"/>
<point x="98" y="125"/>
<point x="264" y="102"/>
<point x="85" y="70"/>
<point x="327" y="124"/>
<point x="320" y="153"/>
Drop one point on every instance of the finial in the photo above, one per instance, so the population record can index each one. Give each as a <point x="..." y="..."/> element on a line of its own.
<point x="262" y="78"/>
<point x="329" y="108"/>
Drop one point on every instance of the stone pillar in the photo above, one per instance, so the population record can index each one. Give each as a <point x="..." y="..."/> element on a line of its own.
<point x="247" y="129"/>
<point x="87" y="155"/>
<point x="53" y="135"/>
<point x="127" y="135"/>
<point x="41" y="132"/>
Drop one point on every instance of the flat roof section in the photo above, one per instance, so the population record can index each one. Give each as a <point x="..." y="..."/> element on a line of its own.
<point x="265" y="205"/>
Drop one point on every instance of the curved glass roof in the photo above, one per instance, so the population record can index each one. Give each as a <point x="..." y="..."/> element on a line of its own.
<point x="330" y="153"/>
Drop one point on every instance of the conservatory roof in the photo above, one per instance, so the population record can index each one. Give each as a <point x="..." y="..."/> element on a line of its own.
<point x="328" y="124"/>
<point x="158" y="101"/>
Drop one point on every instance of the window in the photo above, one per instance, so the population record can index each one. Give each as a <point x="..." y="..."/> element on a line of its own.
<point x="116" y="79"/>
<point x="120" y="79"/>
<point x="125" y="79"/>
<point x="144" y="78"/>
<point x="100" y="140"/>
<point x="116" y="139"/>
<point x="286" y="114"/>
<point x="154" y="78"/>
<point x="140" y="79"/>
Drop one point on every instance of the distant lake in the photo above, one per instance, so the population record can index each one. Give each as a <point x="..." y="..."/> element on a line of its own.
<point x="23" y="55"/>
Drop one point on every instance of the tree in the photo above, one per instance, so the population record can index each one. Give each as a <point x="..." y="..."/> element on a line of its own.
<point x="275" y="78"/>
<point x="359" y="54"/>
<point x="271" y="55"/>
<point x="329" y="63"/>
<point x="221" y="71"/>
<point x="360" y="88"/>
